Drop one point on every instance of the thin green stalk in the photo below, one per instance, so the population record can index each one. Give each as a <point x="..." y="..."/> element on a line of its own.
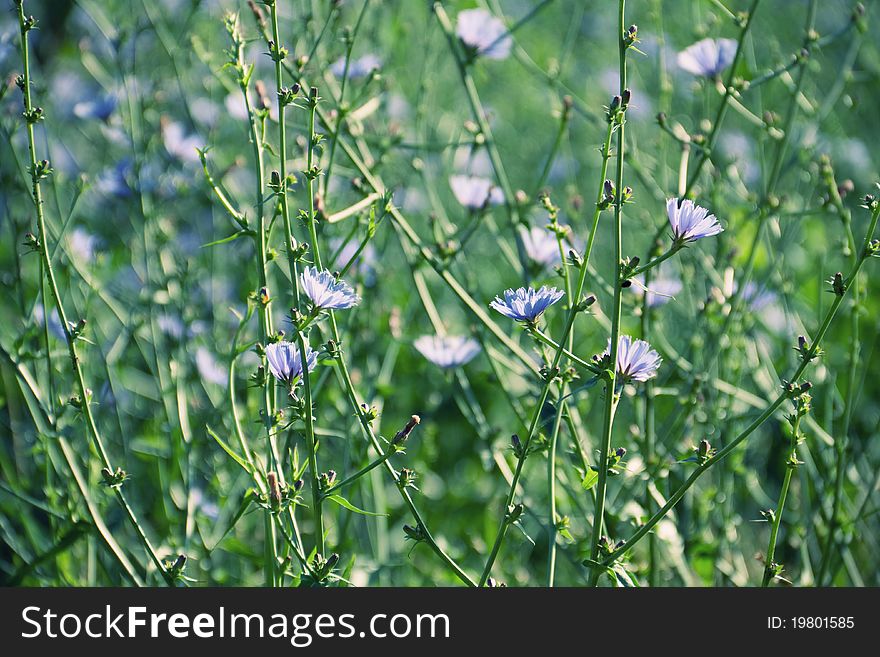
<point x="791" y="463"/>
<point x="42" y="247"/>
<point x="612" y="395"/>
<point x="312" y="442"/>
<point x="263" y="297"/>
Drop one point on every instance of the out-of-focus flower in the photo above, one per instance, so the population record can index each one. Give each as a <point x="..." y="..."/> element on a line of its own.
<point x="636" y="360"/>
<point x="285" y="361"/>
<point x="484" y="33"/>
<point x="541" y="246"/>
<point x="526" y="304"/>
<point x="756" y="297"/>
<point x="179" y="144"/>
<point x="474" y="192"/>
<point x="82" y="244"/>
<point x="357" y="68"/>
<point x="237" y="109"/>
<point x="661" y="290"/>
<point x="100" y="108"/>
<point x="447" y="351"/>
<point x="209" y="369"/>
<point x="170" y="325"/>
<point x="365" y="262"/>
<point x="325" y="291"/>
<point x="113" y="181"/>
<point x="707" y="57"/>
<point x="690" y="221"/>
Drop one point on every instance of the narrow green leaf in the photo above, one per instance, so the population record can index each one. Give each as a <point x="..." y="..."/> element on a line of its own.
<point x="341" y="501"/>
<point x="226" y="448"/>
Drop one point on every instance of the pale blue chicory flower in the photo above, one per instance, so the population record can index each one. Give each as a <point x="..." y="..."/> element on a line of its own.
<point x="690" y="221"/>
<point x="365" y="262"/>
<point x="209" y="369"/>
<point x="181" y="145"/>
<point x="707" y="57"/>
<point x="285" y="361"/>
<point x="325" y="291"/>
<point x="636" y="360"/>
<point x="100" y="108"/>
<point x="447" y="351"/>
<point x="474" y="192"/>
<point x="357" y="68"/>
<point x="484" y="33"/>
<point x="526" y="304"/>
<point x="541" y="246"/>
<point x="82" y="244"/>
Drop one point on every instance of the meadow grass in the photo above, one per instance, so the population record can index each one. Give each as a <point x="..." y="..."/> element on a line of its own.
<point x="524" y="292"/>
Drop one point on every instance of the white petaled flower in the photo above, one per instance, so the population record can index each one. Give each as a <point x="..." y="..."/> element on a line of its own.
<point x="357" y="68"/>
<point x="541" y="246"/>
<point x="526" y="304"/>
<point x="325" y="291"/>
<point x="690" y="221"/>
<point x="660" y="291"/>
<point x="447" y="351"/>
<point x="484" y="33"/>
<point x="285" y="361"/>
<point x="474" y="192"/>
<point x="636" y="360"/>
<point x="707" y="57"/>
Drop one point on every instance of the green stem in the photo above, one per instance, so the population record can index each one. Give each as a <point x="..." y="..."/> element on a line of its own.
<point x="611" y="393"/>
<point x="84" y="392"/>
<point x="317" y="499"/>
<point x="790" y="465"/>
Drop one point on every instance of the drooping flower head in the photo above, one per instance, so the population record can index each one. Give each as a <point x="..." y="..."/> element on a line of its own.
<point x="474" y="192"/>
<point x="484" y="33"/>
<point x="661" y="290"/>
<point x="690" y="221"/>
<point x="357" y="68"/>
<point x="285" y="361"/>
<point x="636" y="360"/>
<point x="526" y="304"/>
<point x="447" y="351"/>
<point x="707" y="57"/>
<point x="325" y="291"/>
